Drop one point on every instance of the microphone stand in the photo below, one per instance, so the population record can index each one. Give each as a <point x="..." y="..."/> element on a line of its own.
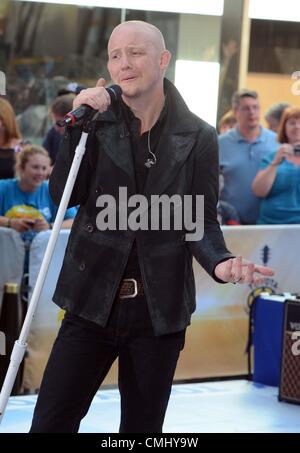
<point x="21" y="344"/>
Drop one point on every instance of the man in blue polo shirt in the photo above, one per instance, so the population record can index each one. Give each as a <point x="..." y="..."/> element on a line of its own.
<point x="241" y="151"/>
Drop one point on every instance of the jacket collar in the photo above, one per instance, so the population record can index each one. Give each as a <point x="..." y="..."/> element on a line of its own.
<point x="177" y="140"/>
<point x="175" y="145"/>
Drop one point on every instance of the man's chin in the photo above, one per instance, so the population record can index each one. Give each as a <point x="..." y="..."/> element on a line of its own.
<point x="130" y="92"/>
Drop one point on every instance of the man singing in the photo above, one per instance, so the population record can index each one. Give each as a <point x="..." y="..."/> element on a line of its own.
<point x="129" y="293"/>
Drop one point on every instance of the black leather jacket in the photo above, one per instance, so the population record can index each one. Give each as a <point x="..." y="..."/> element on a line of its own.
<point x="95" y="260"/>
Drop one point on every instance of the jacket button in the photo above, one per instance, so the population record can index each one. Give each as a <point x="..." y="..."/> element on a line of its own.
<point x="82" y="266"/>
<point x="89" y="228"/>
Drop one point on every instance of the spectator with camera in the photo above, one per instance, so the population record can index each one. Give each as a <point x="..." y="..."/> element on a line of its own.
<point x="278" y="181"/>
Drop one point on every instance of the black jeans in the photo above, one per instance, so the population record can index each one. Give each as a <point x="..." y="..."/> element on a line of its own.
<point x="81" y="357"/>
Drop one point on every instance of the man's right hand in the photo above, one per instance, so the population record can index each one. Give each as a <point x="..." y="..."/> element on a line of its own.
<point x="97" y="97"/>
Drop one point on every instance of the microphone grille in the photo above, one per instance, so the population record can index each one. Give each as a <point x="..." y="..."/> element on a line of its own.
<point x="115" y="92"/>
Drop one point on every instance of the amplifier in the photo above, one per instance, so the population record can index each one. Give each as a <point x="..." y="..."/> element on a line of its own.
<point x="289" y="388"/>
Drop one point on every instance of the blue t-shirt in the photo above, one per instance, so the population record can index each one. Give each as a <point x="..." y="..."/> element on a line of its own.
<point x="16" y="203"/>
<point x="282" y="204"/>
<point x="240" y="162"/>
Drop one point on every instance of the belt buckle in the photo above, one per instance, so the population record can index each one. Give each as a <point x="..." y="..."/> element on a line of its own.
<point x="130" y="296"/>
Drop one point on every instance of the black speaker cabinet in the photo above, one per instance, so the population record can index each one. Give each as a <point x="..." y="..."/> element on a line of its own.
<point x="289" y="389"/>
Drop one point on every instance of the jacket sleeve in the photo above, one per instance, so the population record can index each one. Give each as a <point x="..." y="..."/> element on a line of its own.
<point x="211" y="249"/>
<point x="62" y="168"/>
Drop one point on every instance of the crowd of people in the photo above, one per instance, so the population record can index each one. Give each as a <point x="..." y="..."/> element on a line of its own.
<point x="259" y="167"/>
<point x="25" y="202"/>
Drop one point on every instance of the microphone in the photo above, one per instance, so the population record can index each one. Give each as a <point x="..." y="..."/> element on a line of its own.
<point x="84" y="112"/>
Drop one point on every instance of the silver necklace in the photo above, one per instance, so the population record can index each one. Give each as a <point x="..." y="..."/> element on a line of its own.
<point x="150" y="161"/>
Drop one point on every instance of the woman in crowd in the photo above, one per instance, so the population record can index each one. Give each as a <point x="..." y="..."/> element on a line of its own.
<point x="25" y="202"/>
<point x="10" y="139"/>
<point x="278" y="181"/>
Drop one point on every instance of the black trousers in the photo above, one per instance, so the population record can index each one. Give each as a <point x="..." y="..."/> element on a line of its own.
<point x="81" y="357"/>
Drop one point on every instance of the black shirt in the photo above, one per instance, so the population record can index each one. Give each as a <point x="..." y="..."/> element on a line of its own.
<point x="139" y="146"/>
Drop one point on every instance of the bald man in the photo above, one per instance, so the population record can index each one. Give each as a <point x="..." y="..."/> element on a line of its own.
<point x="128" y="287"/>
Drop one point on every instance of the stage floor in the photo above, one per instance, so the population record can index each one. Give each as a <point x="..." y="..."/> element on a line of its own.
<point x="212" y="407"/>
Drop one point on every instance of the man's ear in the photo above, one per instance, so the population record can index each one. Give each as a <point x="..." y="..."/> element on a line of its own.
<point x="165" y="59"/>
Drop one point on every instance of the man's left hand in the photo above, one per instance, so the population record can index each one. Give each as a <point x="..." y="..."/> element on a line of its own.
<point x="239" y="270"/>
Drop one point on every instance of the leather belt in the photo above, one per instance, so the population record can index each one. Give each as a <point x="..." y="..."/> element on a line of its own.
<point x="129" y="288"/>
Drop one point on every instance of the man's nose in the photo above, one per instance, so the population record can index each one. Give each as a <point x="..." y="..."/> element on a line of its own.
<point x="125" y="62"/>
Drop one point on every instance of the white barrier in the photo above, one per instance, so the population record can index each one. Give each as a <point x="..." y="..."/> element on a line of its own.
<point x="216" y="339"/>
<point x="12" y="254"/>
<point x="48" y="316"/>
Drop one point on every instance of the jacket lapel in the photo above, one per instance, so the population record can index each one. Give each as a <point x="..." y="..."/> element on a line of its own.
<point x="175" y="145"/>
<point x="118" y="148"/>
<point x="173" y="152"/>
